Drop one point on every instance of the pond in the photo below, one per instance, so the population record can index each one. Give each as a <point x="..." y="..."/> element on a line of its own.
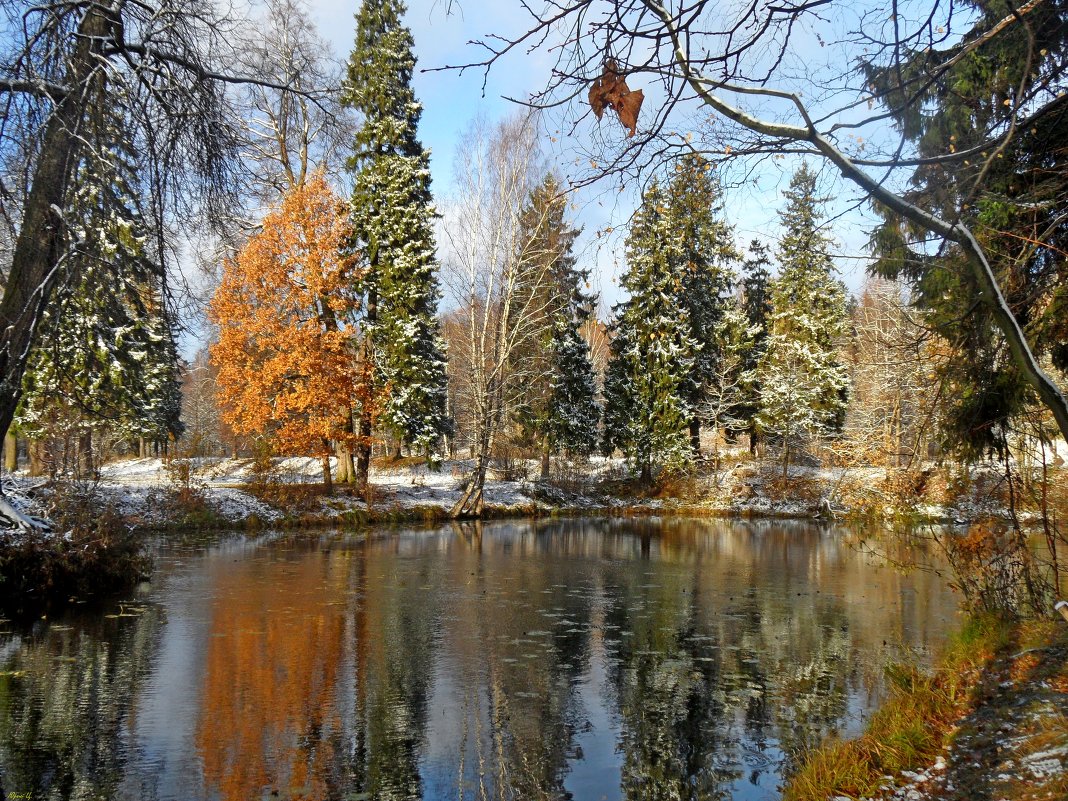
<point x="586" y="659"/>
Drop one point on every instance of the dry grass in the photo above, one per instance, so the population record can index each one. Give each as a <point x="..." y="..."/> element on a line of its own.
<point x="911" y="728"/>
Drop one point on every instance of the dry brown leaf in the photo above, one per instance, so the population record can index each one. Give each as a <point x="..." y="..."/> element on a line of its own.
<point x="628" y="109"/>
<point x="610" y="90"/>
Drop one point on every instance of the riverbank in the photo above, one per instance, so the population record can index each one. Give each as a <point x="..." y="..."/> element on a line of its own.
<point x="154" y="495"/>
<point x="92" y="544"/>
<point x="991" y="721"/>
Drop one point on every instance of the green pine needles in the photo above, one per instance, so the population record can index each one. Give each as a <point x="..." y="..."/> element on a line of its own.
<point x="647" y="407"/>
<point x="106" y="357"/>
<point x="393" y="218"/>
<point x="557" y="410"/>
<point x="804" y="384"/>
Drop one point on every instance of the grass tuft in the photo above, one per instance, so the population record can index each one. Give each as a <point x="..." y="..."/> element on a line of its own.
<point x="911" y="728"/>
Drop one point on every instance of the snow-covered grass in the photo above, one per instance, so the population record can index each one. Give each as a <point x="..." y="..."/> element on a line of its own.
<point x="221" y="491"/>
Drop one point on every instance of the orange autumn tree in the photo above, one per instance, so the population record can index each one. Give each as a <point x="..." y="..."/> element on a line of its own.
<point x="287" y="315"/>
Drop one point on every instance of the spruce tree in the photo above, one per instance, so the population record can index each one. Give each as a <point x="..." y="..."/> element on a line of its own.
<point x="393" y="219"/>
<point x="756" y="306"/>
<point x="557" y="408"/>
<point x="647" y="407"/>
<point x="804" y="385"/>
<point x="107" y="356"/>
<point x="756" y="288"/>
<point x="703" y="264"/>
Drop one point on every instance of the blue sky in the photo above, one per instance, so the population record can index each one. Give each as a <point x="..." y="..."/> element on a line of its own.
<point x="452" y="100"/>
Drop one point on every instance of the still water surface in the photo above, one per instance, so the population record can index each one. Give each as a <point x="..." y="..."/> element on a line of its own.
<point x="592" y="659"/>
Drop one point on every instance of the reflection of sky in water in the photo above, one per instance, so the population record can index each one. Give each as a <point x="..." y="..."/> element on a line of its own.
<point x="583" y="659"/>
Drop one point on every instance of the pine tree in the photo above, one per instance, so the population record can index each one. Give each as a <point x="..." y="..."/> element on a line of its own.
<point x="647" y="410"/>
<point x="393" y="219"/>
<point x="727" y="397"/>
<point x="557" y="409"/>
<point x="756" y="306"/>
<point x="756" y="286"/>
<point x="573" y="410"/>
<point x="705" y="277"/>
<point x="107" y="354"/>
<point x="804" y="385"/>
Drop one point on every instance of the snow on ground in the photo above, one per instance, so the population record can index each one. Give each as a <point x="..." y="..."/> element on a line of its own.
<point x="18" y="508"/>
<point x="134" y="482"/>
<point x="140" y="488"/>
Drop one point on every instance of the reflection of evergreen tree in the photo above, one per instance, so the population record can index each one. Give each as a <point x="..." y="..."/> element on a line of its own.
<point x="667" y="682"/>
<point x="394" y="672"/>
<point x="534" y="699"/>
<point x="65" y="701"/>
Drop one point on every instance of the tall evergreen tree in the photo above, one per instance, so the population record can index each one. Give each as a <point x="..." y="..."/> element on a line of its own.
<point x="756" y="288"/>
<point x="756" y="306"/>
<point x="393" y="219"/>
<point x="107" y="351"/>
<point x="647" y="406"/>
<point x="557" y="408"/>
<point x="702" y="263"/>
<point x="804" y="385"/>
<point x="1010" y="90"/>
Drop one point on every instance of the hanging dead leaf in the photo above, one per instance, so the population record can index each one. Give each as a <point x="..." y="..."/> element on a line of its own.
<point x="610" y="90"/>
<point x="628" y="109"/>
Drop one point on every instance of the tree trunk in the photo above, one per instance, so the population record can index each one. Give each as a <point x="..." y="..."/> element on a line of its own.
<point x="142" y="448"/>
<point x="85" y="454"/>
<point x="545" y="462"/>
<point x="471" y="503"/>
<point x="647" y="472"/>
<point x="37" y="263"/>
<point x="753" y="438"/>
<point x="328" y="484"/>
<point x="346" y="471"/>
<point x="363" y="449"/>
<point x="36" y="451"/>
<point x="695" y="437"/>
<point x="11" y="452"/>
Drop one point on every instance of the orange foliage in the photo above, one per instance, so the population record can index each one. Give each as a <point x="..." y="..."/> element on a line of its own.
<point x="286" y="308"/>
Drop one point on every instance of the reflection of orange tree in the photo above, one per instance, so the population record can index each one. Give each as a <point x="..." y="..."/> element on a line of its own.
<point x="269" y="717"/>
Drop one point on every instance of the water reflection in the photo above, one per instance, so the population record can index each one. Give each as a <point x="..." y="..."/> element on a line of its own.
<point x="611" y="659"/>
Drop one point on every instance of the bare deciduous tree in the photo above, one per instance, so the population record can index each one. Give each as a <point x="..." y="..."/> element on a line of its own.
<point x="895" y="394"/>
<point x="298" y="124"/>
<point x="496" y="282"/>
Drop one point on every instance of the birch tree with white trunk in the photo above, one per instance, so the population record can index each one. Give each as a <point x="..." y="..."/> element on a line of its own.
<point x="496" y="282"/>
